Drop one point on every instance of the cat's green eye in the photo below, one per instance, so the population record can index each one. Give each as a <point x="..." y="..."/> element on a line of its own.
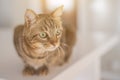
<point x="43" y="35"/>
<point x="58" y="32"/>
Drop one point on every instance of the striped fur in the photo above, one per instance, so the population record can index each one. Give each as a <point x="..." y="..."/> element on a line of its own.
<point x="37" y="52"/>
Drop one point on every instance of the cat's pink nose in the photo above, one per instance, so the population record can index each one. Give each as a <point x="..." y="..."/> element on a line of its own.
<point x="53" y="43"/>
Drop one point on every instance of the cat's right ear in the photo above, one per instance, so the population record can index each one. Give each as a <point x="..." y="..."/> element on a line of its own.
<point x="30" y="16"/>
<point x="58" y="11"/>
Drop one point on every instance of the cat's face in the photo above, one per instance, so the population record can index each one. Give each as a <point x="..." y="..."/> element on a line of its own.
<point x="44" y="31"/>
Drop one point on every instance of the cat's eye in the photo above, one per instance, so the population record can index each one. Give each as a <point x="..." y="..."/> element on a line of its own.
<point x="43" y="35"/>
<point x="58" y="32"/>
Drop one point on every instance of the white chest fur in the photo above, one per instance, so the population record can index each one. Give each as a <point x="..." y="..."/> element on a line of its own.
<point x="36" y="63"/>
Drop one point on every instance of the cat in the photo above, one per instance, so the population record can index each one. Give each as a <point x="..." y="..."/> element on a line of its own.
<point x="42" y="41"/>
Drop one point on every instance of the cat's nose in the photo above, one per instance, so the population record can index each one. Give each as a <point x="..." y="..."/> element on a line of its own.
<point x="53" y="43"/>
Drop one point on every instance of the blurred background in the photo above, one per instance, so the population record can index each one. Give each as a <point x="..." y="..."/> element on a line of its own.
<point x="98" y="19"/>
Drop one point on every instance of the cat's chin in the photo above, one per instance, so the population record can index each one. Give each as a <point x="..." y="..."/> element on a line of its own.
<point x="51" y="49"/>
<point x="42" y="50"/>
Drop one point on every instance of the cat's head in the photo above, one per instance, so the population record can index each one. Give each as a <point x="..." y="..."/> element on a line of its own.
<point x="43" y="30"/>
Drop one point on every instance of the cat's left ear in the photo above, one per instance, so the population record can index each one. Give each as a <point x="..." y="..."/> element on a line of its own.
<point x="30" y="16"/>
<point x="58" y="11"/>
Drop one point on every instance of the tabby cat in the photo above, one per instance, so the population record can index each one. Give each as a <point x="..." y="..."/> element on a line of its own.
<point x="41" y="42"/>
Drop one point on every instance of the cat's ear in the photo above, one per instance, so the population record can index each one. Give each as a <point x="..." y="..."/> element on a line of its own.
<point x="30" y="16"/>
<point x="58" y="11"/>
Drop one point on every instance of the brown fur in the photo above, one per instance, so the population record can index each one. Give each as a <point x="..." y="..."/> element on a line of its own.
<point x="40" y="53"/>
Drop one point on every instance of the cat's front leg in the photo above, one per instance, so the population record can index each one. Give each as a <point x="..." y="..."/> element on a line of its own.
<point x="28" y="71"/>
<point x="42" y="70"/>
<point x="68" y="55"/>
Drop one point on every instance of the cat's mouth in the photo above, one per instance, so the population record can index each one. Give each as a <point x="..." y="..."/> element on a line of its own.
<point x="52" y="48"/>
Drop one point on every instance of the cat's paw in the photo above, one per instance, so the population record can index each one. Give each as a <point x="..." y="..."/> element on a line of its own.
<point x="43" y="71"/>
<point x="28" y="71"/>
<point x="60" y="64"/>
<point x="66" y="59"/>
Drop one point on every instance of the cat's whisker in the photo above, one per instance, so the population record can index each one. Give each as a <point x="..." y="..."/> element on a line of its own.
<point x="47" y="55"/>
<point x="59" y="51"/>
<point x="62" y="51"/>
<point x="64" y="45"/>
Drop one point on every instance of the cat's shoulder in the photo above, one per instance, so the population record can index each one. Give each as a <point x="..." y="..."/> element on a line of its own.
<point x="18" y="28"/>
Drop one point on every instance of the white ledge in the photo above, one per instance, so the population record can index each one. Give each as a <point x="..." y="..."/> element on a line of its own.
<point x="73" y="70"/>
<point x="86" y="50"/>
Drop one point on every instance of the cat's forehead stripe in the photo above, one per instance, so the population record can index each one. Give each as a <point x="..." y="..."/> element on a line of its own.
<point x="49" y="25"/>
<point x="45" y="27"/>
<point x="46" y="23"/>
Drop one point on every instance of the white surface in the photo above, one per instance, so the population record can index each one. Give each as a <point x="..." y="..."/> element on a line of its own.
<point x="111" y="64"/>
<point x="92" y="56"/>
<point x="106" y="75"/>
<point x="85" y="51"/>
<point x="90" y="72"/>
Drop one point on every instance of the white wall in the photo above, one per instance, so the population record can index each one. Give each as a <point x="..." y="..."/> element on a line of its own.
<point x="118" y="14"/>
<point x="19" y="8"/>
<point x="5" y="12"/>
